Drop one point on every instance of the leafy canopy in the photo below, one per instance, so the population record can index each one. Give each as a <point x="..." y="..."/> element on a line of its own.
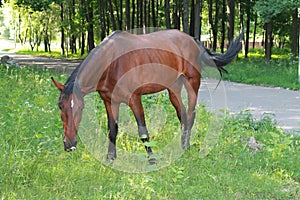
<point x="268" y="9"/>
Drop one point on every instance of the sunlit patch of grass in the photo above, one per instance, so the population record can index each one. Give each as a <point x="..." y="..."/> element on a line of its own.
<point x="55" y="53"/>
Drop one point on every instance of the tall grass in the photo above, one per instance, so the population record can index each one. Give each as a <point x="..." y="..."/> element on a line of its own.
<point x="35" y="166"/>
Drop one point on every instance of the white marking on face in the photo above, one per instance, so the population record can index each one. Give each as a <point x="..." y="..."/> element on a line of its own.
<point x="73" y="148"/>
<point x="72" y="103"/>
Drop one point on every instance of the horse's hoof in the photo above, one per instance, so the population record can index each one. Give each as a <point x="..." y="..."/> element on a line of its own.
<point x="185" y="146"/>
<point x="152" y="161"/>
<point x="110" y="157"/>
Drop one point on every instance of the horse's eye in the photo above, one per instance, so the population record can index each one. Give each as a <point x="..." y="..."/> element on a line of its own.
<point x="60" y="105"/>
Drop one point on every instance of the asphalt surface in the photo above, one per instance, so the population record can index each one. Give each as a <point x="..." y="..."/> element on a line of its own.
<point x="282" y="104"/>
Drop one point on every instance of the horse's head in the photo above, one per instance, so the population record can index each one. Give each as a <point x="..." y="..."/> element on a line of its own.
<point x="70" y="105"/>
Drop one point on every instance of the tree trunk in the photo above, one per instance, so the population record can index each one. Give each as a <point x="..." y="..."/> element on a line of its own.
<point x="133" y="16"/>
<point x="46" y="39"/>
<point x="127" y="11"/>
<point x="254" y="30"/>
<point x="112" y="16"/>
<point x="185" y="16"/>
<point x="213" y="21"/>
<point x="198" y="13"/>
<point x="167" y="13"/>
<point x="294" y="34"/>
<point x="241" y="13"/>
<point x="72" y="26"/>
<point x="176" y="14"/>
<point x="231" y="14"/>
<point x="62" y="30"/>
<point x="192" y="18"/>
<point x="119" y="20"/>
<point x="121" y="15"/>
<point x="82" y="45"/>
<point x="101" y="8"/>
<point x="210" y="13"/>
<point x="90" y="29"/>
<point x="145" y="14"/>
<point x="248" y="20"/>
<point x="223" y="26"/>
<point x="154" y="20"/>
<point x="268" y="41"/>
<point x="141" y="14"/>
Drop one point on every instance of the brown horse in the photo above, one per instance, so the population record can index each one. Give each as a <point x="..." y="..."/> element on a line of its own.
<point x="125" y="66"/>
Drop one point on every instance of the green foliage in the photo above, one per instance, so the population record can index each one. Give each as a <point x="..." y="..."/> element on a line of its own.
<point x="268" y="9"/>
<point x="34" y="164"/>
<point x="40" y="5"/>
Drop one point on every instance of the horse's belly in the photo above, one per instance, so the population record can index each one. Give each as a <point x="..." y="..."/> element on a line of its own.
<point x="150" y="89"/>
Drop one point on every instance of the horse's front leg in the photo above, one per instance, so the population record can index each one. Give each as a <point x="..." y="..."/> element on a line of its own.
<point x="112" y="119"/>
<point x="135" y="104"/>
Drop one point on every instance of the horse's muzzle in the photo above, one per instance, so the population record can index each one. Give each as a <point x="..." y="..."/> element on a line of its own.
<point x="70" y="146"/>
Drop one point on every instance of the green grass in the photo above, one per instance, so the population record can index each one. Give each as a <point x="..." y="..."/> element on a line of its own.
<point x="281" y="71"/>
<point x="55" y="53"/>
<point x="35" y="166"/>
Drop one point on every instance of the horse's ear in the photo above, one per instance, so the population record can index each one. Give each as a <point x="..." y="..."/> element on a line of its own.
<point x="58" y="84"/>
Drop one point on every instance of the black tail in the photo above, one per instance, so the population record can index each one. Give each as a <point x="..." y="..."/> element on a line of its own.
<point x="220" y="60"/>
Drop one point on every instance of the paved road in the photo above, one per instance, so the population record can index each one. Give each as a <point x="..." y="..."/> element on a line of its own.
<point x="283" y="104"/>
<point x="56" y="64"/>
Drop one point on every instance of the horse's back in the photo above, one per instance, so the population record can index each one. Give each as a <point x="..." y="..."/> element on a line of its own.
<point x="127" y="51"/>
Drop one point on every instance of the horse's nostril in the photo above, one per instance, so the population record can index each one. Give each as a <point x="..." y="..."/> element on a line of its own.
<point x="70" y="145"/>
<point x="70" y="149"/>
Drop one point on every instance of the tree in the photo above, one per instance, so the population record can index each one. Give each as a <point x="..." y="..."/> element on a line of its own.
<point x="90" y="28"/>
<point x="198" y="21"/>
<point x="295" y="32"/>
<point x="268" y="10"/>
<point x="185" y="17"/>
<point x="213" y="12"/>
<point x="231" y="15"/>
<point x="79" y="23"/>
<point x="223" y="21"/>
<point x="112" y="16"/>
<point x="62" y="29"/>
<point x="127" y="7"/>
<point x="167" y="14"/>
<point x="248" y="21"/>
<point x="154" y="17"/>
<point x="102" y="6"/>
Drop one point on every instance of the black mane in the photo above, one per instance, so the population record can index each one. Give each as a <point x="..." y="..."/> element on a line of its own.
<point x="69" y="85"/>
<point x="68" y="90"/>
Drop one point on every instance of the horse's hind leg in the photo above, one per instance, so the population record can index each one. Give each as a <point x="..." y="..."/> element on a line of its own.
<point x="192" y="85"/>
<point x="135" y="104"/>
<point x="112" y="117"/>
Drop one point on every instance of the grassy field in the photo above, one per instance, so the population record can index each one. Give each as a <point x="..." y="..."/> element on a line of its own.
<point x="277" y="73"/>
<point x="35" y="166"/>
<point x="281" y="71"/>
